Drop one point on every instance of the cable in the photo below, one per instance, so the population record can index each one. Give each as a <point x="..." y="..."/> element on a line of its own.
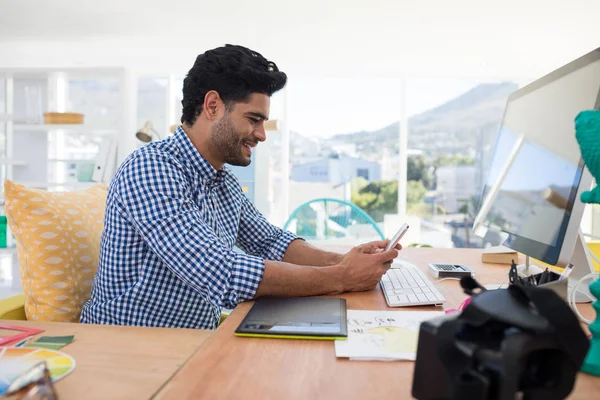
<point x="445" y="279"/>
<point x="587" y="249"/>
<point x="575" y="289"/>
<point x="573" y="293"/>
<point x="503" y="282"/>
<point x="590" y="235"/>
<point x="458" y="279"/>
<point x="585" y="294"/>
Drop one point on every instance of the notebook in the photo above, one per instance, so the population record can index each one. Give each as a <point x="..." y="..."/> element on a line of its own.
<point x="296" y="318"/>
<point x="499" y="255"/>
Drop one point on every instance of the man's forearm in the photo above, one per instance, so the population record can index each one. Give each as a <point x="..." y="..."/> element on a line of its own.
<point x="284" y="279"/>
<point x="301" y="253"/>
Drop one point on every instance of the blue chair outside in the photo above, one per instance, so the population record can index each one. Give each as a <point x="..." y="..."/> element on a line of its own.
<point x="325" y="219"/>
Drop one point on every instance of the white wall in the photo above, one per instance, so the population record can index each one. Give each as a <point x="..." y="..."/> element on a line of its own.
<point x="336" y="38"/>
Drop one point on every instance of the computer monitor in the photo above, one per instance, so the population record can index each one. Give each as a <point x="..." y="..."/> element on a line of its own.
<point x="531" y="199"/>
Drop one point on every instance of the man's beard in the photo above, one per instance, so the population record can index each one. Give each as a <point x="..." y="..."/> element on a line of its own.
<point x="227" y="141"/>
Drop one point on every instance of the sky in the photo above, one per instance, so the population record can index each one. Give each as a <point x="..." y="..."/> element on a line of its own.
<point x="325" y="107"/>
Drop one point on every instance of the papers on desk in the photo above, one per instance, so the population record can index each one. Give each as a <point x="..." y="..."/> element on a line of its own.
<point x="382" y="335"/>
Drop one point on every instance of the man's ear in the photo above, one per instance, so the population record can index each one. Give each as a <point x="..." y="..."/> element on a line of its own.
<point x="212" y="104"/>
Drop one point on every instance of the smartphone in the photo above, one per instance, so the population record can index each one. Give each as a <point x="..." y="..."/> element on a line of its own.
<point x="397" y="237"/>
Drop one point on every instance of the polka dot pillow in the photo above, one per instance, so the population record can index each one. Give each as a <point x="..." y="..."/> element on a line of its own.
<point x="58" y="243"/>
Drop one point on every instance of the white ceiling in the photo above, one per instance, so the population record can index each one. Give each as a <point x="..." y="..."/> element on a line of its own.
<point x="504" y="38"/>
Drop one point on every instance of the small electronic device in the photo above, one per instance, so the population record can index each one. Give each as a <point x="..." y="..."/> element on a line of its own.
<point x="296" y="318"/>
<point x="450" y="270"/>
<point x="397" y="237"/>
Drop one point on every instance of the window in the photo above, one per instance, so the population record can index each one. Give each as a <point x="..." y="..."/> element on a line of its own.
<point x="152" y="104"/>
<point x="98" y="98"/>
<point x="453" y="126"/>
<point x="159" y="101"/>
<point x="363" y="173"/>
<point x="3" y="119"/>
<point x="346" y="142"/>
<point x="452" y="129"/>
<point x="3" y="116"/>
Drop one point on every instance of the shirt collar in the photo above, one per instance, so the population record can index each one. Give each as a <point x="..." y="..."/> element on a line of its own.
<point x="207" y="172"/>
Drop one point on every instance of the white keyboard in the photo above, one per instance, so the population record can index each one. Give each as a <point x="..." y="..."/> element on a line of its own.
<point x="408" y="286"/>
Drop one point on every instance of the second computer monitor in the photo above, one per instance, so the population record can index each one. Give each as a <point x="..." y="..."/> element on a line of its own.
<point x="530" y="201"/>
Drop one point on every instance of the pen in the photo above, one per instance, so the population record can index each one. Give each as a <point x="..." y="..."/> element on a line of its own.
<point x="565" y="274"/>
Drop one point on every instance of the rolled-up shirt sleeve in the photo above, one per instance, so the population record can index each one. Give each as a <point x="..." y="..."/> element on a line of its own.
<point x="160" y="204"/>
<point x="258" y="237"/>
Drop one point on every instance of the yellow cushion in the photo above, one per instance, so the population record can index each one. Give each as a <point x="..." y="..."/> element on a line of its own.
<point x="58" y="244"/>
<point x="13" y="307"/>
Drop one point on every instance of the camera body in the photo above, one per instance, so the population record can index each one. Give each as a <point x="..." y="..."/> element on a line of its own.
<point x="505" y="343"/>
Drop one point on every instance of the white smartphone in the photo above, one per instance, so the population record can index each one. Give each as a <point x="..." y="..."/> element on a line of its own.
<point x="397" y="237"/>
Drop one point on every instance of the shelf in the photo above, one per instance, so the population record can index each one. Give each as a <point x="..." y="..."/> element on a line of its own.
<point x="75" y="128"/>
<point x="6" y="117"/>
<point x="82" y="185"/>
<point x="9" y="161"/>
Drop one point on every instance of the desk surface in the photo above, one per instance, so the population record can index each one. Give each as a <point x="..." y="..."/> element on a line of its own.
<point x="232" y="367"/>
<point x="120" y="362"/>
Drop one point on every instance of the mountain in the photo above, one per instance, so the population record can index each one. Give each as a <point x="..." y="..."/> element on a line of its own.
<point x="477" y="111"/>
<point x="468" y="121"/>
<point x="479" y="94"/>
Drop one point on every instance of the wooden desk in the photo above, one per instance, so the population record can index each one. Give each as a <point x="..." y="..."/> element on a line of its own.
<point x="230" y="367"/>
<point x="120" y="362"/>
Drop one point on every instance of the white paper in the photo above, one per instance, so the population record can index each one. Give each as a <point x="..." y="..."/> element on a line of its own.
<point x="382" y="335"/>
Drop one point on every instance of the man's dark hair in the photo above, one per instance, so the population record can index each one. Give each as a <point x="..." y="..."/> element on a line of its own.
<point x="235" y="72"/>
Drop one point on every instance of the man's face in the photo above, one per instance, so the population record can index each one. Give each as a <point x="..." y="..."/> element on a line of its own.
<point x="240" y="129"/>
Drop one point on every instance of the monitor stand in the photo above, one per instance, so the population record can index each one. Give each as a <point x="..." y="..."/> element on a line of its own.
<point x="582" y="265"/>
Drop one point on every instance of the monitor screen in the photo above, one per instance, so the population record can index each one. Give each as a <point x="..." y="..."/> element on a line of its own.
<point x="534" y="177"/>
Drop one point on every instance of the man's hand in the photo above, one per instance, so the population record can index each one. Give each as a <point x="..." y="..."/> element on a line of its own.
<point x="362" y="267"/>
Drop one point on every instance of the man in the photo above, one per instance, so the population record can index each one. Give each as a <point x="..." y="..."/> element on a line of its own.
<point x="174" y="213"/>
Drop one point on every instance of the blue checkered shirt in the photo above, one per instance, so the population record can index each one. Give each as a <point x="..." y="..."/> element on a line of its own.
<point x="167" y="254"/>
